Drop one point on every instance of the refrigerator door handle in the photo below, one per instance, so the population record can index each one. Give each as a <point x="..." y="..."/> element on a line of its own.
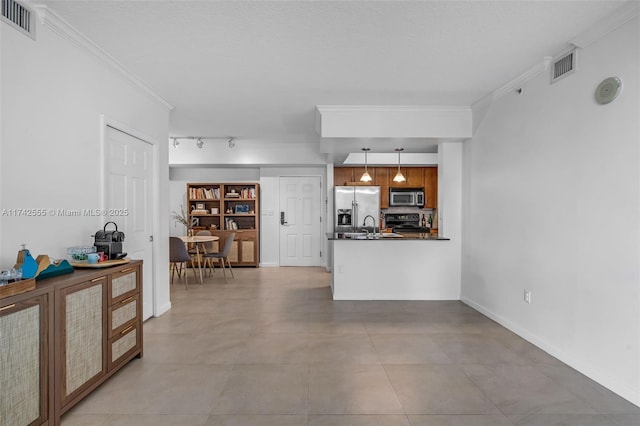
<point x="354" y="221"/>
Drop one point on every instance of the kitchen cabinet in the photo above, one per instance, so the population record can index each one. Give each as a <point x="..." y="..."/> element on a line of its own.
<point x="431" y="187"/>
<point x="382" y="180"/>
<point x="414" y="177"/>
<point x="65" y="338"/>
<point x="24" y="376"/>
<point x="236" y="210"/>
<point x="342" y="175"/>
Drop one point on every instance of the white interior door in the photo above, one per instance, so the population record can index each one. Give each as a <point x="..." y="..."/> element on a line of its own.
<point x="300" y="221"/>
<point x="129" y="168"/>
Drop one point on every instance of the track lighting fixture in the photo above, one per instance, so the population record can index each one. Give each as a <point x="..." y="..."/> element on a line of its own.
<point x="200" y="140"/>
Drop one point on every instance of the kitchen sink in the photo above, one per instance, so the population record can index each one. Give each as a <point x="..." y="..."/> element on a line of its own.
<point x="370" y="236"/>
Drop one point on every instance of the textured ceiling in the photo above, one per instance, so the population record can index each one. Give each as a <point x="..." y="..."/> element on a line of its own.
<point x="257" y="69"/>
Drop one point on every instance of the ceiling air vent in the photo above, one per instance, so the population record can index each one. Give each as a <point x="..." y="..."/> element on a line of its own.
<point x="19" y="17"/>
<point x="563" y="66"/>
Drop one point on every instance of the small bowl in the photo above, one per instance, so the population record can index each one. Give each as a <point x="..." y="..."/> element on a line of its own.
<point x="79" y="253"/>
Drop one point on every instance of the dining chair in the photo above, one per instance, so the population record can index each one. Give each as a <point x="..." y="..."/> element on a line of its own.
<point x="178" y="258"/>
<point x="208" y="247"/>
<point x="223" y="255"/>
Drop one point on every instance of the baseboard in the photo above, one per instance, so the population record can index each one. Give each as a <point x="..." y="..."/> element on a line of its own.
<point x="631" y="395"/>
<point x="162" y="309"/>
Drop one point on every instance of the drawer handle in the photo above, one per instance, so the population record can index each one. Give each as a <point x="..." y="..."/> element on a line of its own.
<point x="126" y="330"/>
<point x="127" y="300"/>
<point x="7" y="307"/>
<point x="98" y="279"/>
<point x="127" y="270"/>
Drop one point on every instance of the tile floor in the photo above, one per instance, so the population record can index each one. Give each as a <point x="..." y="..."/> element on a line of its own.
<point x="271" y="348"/>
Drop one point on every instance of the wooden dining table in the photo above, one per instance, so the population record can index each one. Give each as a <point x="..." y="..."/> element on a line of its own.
<point x="199" y="240"/>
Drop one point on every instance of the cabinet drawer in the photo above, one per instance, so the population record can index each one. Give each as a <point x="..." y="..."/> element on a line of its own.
<point x="121" y="313"/>
<point x="123" y="345"/>
<point x="123" y="284"/>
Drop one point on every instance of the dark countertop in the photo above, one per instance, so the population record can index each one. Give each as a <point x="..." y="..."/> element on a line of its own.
<point x="401" y="236"/>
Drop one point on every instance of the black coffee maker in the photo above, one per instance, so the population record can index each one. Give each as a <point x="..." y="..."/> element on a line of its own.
<point x="110" y="242"/>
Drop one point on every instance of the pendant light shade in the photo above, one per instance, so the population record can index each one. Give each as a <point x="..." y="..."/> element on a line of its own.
<point x="366" y="177"/>
<point x="399" y="177"/>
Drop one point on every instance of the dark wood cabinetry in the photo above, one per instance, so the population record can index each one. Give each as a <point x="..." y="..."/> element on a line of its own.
<point x="67" y="337"/>
<point x="430" y="187"/>
<point x="382" y="177"/>
<point x="343" y="175"/>
<point x="416" y="177"/>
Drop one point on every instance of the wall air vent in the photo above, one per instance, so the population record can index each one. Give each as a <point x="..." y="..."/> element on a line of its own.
<point x="19" y="16"/>
<point x="563" y="66"/>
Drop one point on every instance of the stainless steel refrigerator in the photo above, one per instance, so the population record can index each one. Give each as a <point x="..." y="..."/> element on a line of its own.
<point x="356" y="207"/>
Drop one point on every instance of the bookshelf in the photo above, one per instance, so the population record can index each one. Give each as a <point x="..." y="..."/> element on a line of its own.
<point x="223" y="208"/>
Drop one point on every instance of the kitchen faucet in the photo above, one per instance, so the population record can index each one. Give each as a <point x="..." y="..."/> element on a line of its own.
<point x="364" y="222"/>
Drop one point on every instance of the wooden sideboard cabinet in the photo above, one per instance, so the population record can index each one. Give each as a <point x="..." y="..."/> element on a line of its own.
<point x="76" y="330"/>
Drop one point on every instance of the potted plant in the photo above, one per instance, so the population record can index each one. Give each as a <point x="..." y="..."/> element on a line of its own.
<point x="183" y="219"/>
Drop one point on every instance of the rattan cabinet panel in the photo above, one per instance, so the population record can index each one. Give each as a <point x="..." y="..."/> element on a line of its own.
<point x="83" y="308"/>
<point x="124" y="283"/>
<point x="123" y="312"/>
<point x="23" y="358"/>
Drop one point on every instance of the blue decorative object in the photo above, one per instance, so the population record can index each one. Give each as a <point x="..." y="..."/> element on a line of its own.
<point x="242" y="208"/>
<point x="55" y="269"/>
<point x="27" y="263"/>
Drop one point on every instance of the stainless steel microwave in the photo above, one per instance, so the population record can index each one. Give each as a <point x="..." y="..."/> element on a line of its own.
<point x="411" y="197"/>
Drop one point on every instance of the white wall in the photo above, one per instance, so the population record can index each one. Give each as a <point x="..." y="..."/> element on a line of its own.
<point x="552" y="195"/>
<point x="53" y="96"/>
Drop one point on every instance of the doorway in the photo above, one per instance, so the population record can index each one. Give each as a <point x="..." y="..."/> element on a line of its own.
<point x="128" y="200"/>
<point x="300" y="221"/>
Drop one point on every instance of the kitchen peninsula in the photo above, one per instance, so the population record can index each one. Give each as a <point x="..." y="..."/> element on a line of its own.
<point x="411" y="266"/>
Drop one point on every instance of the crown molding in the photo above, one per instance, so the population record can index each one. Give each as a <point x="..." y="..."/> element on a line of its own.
<point x="624" y="14"/>
<point x="388" y="108"/>
<point x="64" y="29"/>
<point x="514" y="84"/>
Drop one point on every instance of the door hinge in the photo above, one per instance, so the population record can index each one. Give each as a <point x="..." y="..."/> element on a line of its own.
<point x="150" y="238"/>
<point x="320" y="253"/>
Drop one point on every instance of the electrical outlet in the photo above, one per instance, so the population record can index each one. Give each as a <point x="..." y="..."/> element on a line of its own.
<point x="527" y="296"/>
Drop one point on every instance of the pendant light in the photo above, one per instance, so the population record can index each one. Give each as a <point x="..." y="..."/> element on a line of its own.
<point x="366" y="177"/>
<point x="399" y="177"/>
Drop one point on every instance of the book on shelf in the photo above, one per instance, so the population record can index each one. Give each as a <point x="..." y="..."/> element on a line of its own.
<point x="230" y="224"/>
<point x="204" y="193"/>
<point x="197" y="211"/>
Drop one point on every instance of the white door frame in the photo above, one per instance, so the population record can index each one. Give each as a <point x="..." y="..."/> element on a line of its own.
<point x="106" y="121"/>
